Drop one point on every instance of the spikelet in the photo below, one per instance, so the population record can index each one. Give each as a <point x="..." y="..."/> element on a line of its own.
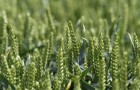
<point x="51" y="46"/>
<point x="57" y="84"/>
<point x="135" y="83"/>
<point x="96" y="58"/>
<point x="75" y="47"/>
<point x="136" y="63"/>
<point x="77" y="85"/>
<point x="67" y="45"/>
<point x="136" y="53"/>
<point x="68" y="51"/>
<point x="38" y="64"/>
<point x="3" y="35"/>
<point x="136" y="46"/>
<point x="102" y="71"/>
<point x="123" y="71"/>
<point x="68" y="39"/>
<point x="47" y="81"/>
<point x="19" y="68"/>
<point x="50" y="49"/>
<point x="60" y="62"/>
<point x="114" y="64"/>
<point x="65" y="63"/>
<point x="92" y="52"/>
<point x="71" y="62"/>
<point x="50" y="20"/>
<point x="29" y="76"/>
<point x="106" y="37"/>
<point x="90" y="55"/>
<point x="77" y="70"/>
<point x="47" y="52"/>
<point x="13" y="75"/>
<point x="13" y="41"/>
<point x="5" y="71"/>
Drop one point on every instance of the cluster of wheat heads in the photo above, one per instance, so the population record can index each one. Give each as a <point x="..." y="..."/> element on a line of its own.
<point x="43" y="51"/>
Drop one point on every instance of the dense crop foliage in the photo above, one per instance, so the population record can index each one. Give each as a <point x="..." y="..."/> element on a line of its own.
<point x="69" y="45"/>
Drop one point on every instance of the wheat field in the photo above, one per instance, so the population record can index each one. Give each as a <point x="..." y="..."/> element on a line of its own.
<point x="69" y="45"/>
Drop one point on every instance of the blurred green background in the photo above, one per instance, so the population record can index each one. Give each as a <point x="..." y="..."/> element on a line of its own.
<point x="88" y="11"/>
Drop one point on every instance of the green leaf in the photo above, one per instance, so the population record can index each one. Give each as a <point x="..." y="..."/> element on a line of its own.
<point x="85" y="72"/>
<point x="86" y="86"/>
<point x="131" y="41"/>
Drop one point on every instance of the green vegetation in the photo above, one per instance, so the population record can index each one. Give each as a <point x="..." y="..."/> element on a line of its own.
<point x="69" y="45"/>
